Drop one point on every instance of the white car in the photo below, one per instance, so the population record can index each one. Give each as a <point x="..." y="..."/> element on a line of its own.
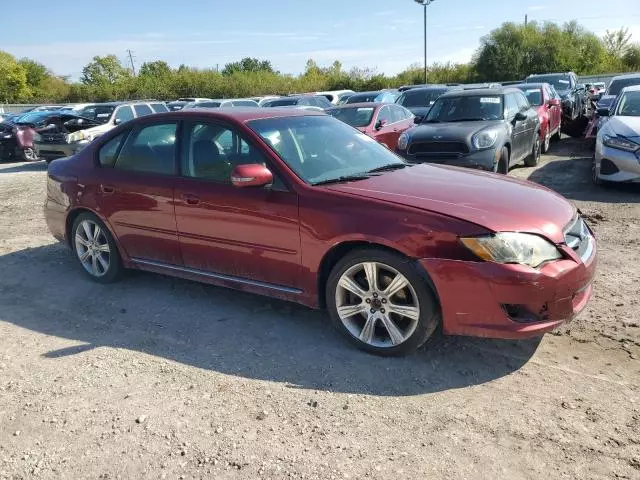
<point x="334" y="95"/>
<point x="617" y="155"/>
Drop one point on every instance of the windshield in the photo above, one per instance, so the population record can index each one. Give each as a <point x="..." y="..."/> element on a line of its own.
<point x="321" y="148"/>
<point x="466" y="108"/>
<point x="100" y="113"/>
<point x="629" y="104"/>
<point x="617" y="85"/>
<point x="191" y="105"/>
<point x="419" y="98"/>
<point x="534" y="95"/>
<point x="33" y="118"/>
<point x="560" y="82"/>
<point x="365" y="97"/>
<point x="356" y="117"/>
<point x="282" y="102"/>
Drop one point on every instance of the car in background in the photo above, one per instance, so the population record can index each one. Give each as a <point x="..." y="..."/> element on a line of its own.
<point x="344" y="98"/>
<point x="615" y="87"/>
<point x="598" y="89"/>
<point x="334" y="96"/>
<point x="476" y="86"/>
<point x="222" y="103"/>
<point x="381" y="121"/>
<point x="260" y="100"/>
<point x="299" y="101"/>
<point x="420" y="99"/>
<point x="572" y="93"/>
<point x="99" y="118"/>
<point x="181" y="102"/>
<point x="617" y="152"/>
<point x="74" y="107"/>
<point x="490" y="129"/>
<point x="302" y="207"/>
<point x="549" y="109"/>
<point x="18" y="136"/>
<point x="42" y="108"/>
<point x="379" y="96"/>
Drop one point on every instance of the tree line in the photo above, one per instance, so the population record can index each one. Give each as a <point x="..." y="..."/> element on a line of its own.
<point x="510" y="52"/>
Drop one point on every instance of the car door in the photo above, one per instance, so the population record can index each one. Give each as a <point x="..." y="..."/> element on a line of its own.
<point x="135" y="191"/>
<point x="245" y="233"/>
<point x="517" y="127"/>
<point x="383" y="127"/>
<point x="531" y="131"/>
<point x="555" y="112"/>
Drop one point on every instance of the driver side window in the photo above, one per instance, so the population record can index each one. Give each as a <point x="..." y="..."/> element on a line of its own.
<point x="510" y="106"/>
<point x="384" y="116"/>
<point x="124" y="114"/>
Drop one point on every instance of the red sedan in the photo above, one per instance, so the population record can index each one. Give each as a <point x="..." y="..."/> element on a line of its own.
<point x="383" y="122"/>
<point x="547" y="103"/>
<point x="298" y="205"/>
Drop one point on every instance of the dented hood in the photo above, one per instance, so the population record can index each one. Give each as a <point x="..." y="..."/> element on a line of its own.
<point x="493" y="201"/>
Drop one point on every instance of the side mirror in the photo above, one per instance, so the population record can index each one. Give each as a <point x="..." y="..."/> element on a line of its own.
<point x="520" y="117"/>
<point x="380" y="124"/>
<point x="117" y="121"/>
<point x="603" y="112"/>
<point x="554" y="102"/>
<point x="417" y="119"/>
<point x="251" y="175"/>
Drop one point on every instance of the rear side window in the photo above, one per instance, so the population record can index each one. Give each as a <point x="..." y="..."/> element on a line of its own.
<point x="244" y="103"/>
<point x="322" y="102"/>
<point x="124" y="114"/>
<point x="523" y="103"/>
<point x="159" y="107"/>
<point x="150" y="149"/>
<point x="109" y="151"/>
<point x="142" y="110"/>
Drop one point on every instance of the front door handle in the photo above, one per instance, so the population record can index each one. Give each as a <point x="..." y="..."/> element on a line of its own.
<point x="107" y="189"/>
<point x="190" y="199"/>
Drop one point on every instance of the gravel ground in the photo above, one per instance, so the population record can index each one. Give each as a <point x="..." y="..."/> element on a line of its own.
<point x="155" y="377"/>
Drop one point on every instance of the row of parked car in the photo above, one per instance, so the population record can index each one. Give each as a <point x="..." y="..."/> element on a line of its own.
<point x="489" y="126"/>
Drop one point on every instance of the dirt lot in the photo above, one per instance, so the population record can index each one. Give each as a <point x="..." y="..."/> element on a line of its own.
<point x="162" y="378"/>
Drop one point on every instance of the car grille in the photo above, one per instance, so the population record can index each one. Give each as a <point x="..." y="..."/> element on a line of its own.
<point x="439" y="148"/>
<point x="53" y="138"/>
<point x="578" y="237"/>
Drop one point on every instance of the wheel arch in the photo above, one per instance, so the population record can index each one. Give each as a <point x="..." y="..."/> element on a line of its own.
<point x="77" y="211"/>
<point x="340" y="250"/>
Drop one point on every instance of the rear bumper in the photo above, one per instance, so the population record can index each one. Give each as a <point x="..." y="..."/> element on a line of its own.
<point x="483" y="159"/>
<point x="486" y="299"/>
<point x="56" y="216"/>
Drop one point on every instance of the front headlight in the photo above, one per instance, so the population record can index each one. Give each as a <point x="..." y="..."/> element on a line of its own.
<point x="620" y="143"/>
<point x="484" y="139"/>
<point x="403" y="141"/>
<point x="512" y="247"/>
<point x="79" y="136"/>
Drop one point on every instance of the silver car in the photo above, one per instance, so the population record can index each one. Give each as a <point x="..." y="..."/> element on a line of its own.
<point x="617" y="156"/>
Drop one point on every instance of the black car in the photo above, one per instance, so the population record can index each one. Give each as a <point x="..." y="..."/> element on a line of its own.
<point x="316" y="101"/>
<point x="378" y="96"/>
<point x="572" y="94"/>
<point x="419" y="100"/>
<point x="490" y="129"/>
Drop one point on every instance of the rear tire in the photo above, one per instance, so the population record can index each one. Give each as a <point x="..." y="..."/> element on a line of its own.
<point x="533" y="159"/>
<point x="547" y="142"/>
<point x="558" y="134"/>
<point x="95" y="249"/>
<point x="381" y="302"/>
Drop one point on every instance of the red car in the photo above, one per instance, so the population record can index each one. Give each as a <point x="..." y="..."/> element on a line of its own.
<point x="300" y="206"/>
<point x="383" y="122"/>
<point x="547" y="103"/>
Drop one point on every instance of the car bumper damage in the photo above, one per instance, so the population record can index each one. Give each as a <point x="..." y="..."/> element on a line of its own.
<point x="617" y="165"/>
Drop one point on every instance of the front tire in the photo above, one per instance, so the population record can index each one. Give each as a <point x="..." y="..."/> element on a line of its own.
<point x="558" y="134"/>
<point x="95" y="249"/>
<point x="28" y="154"/>
<point x="547" y="141"/>
<point x="381" y="302"/>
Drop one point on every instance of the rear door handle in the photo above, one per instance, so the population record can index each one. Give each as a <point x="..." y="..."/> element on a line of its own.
<point x="190" y="199"/>
<point x="107" y="189"/>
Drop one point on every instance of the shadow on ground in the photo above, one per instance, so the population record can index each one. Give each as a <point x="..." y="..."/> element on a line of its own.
<point x="18" y="167"/>
<point x="42" y="289"/>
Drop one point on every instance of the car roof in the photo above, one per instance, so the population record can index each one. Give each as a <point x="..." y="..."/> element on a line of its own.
<point x="550" y="73"/>
<point x="626" y="76"/>
<point x="529" y="85"/>
<point x="241" y="114"/>
<point x="474" y="92"/>
<point x="359" y="104"/>
<point x="434" y="87"/>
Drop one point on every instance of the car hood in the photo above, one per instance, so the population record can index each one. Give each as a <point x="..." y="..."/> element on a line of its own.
<point x="454" y="131"/>
<point x="493" y="201"/>
<point x="628" y="127"/>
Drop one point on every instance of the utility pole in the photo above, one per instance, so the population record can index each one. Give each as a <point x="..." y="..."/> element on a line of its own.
<point x="133" y="67"/>
<point x="425" y="4"/>
<point x="526" y="19"/>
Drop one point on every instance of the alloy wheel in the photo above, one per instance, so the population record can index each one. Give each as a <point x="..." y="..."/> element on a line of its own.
<point x="92" y="248"/>
<point x="30" y="154"/>
<point x="377" y="304"/>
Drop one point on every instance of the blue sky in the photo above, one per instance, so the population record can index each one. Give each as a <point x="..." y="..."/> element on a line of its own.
<point x="382" y="34"/>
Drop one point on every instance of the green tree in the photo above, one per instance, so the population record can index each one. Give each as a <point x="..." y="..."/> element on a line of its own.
<point x="248" y="64"/>
<point x="103" y="71"/>
<point x="631" y="58"/>
<point x="36" y="72"/>
<point x="617" y="42"/>
<point x="13" y="79"/>
<point x="158" y="68"/>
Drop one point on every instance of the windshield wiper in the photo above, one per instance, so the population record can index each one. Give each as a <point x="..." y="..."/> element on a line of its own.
<point x="391" y="166"/>
<point x="343" y="178"/>
<point x="469" y="119"/>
